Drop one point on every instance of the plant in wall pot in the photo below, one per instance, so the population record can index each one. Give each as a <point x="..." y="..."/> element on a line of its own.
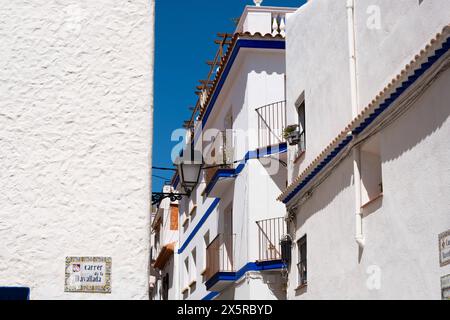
<point x="292" y="135"/>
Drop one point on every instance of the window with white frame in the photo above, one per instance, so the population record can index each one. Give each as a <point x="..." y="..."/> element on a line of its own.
<point x="302" y="263"/>
<point x="193" y="206"/>
<point x="193" y="269"/>
<point x="186" y="275"/>
<point x="206" y="241"/>
<point x="301" y="113"/>
<point x="185" y="217"/>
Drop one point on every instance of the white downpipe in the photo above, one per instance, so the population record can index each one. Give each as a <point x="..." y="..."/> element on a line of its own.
<point x="359" y="236"/>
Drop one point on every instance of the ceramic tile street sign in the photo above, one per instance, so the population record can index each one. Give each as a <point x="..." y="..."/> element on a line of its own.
<point x="88" y="275"/>
<point x="444" y="248"/>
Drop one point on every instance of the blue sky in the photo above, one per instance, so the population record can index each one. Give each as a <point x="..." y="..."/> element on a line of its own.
<point x="185" y="34"/>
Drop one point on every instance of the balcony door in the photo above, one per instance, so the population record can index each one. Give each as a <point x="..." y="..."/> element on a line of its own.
<point x="228" y="239"/>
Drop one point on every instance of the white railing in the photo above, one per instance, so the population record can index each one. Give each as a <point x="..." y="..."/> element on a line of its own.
<point x="265" y="20"/>
<point x="278" y="24"/>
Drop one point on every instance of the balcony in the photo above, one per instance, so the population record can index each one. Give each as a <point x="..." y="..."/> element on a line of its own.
<point x="265" y="20"/>
<point x="220" y="264"/>
<point x="163" y="255"/>
<point x="271" y="124"/>
<point x="271" y="231"/>
<point x="220" y="157"/>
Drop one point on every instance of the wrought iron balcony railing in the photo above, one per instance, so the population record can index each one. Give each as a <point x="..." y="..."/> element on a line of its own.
<point x="271" y="124"/>
<point x="220" y="255"/>
<point x="271" y="231"/>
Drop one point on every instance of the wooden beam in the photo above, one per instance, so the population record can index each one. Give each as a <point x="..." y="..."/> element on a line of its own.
<point x="223" y="42"/>
<point x="207" y="82"/>
<point x="224" y="35"/>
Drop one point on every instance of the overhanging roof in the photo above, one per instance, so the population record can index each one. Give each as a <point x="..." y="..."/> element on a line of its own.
<point x="164" y="256"/>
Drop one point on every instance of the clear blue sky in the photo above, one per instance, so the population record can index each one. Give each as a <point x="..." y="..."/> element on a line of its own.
<point x="185" y="34"/>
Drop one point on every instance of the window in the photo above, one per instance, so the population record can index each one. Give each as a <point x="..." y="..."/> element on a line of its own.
<point x="302" y="265"/>
<point x="371" y="172"/>
<point x="157" y="243"/>
<point x="165" y="287"/>
<point x="186" y="276"/>
<point x="194" y="264"/>
<point x="185" y="217"/>
<point x="300" y="105"/>
<point x="206" y="240"/>
<point x="193" y="206"/>
<point x="193" y="280"/>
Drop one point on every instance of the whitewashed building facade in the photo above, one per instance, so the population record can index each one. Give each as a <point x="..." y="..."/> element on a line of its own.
<point x="231" y="224"/>
<point x="368" y="184"/>
<point x="164" y="243"/>
<point x="75" y="148"/>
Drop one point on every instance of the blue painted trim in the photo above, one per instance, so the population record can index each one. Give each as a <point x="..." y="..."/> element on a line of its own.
<point x="211" y="296"/>
<point x="282" y="148"/>
<point x="220" y="276"/>
<point x="241" y="43"/>
<point x="199" y="225"/>
<point x="220" y="174"/>
<point x="251" y="266"/>
<point x="14" y="293"/>
<point x="232" y="173"/>
<point x="372" y="117"/>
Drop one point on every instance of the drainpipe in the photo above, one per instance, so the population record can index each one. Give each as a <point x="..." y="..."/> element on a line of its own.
<point x="359" y="236"/>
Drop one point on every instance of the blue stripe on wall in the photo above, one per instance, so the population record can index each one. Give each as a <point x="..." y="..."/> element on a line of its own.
<point x="251" y="266"/>
<point x="199" y="225"/>
<point x="282" y="148"/>
<point x="210" y="296"/>
<point x="257" y="154"/>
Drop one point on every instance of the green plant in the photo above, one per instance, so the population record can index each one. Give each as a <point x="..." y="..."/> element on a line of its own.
<point x="288" y="130"/>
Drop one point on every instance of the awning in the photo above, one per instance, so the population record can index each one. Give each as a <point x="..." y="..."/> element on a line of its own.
<point x="164" y="256"/>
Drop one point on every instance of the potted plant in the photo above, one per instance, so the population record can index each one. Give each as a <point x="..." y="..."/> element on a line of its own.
<point x="292" y="135"/>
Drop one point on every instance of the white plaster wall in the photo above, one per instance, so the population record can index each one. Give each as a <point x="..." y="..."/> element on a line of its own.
<point x="406" y="26"/>
<point x="401" y="229"/>
<point x="75" y="129"/>
<point x="266" y="85"/>
<point x="317" y="64"/>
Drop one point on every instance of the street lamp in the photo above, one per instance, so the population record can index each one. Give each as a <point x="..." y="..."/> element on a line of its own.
<point x="189" y="168"/>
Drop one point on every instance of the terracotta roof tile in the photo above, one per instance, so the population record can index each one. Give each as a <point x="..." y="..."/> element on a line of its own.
<point x="226" y="58"/>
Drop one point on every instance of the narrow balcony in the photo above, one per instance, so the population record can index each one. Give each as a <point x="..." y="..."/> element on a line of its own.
<point x="272" y="121"/>
<point x="219" y="158"/>
<point x="265" y="20"/>
<point x="270" y="233"/>
<point x="220" y="262"/>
